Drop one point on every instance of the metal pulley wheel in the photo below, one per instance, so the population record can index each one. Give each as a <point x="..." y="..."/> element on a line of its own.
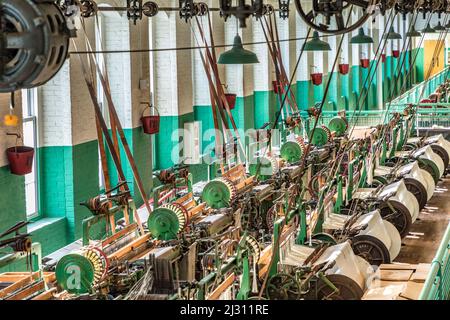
<point x="219" y="193"/>
<point x="293" y="151"/>
<point x="150" y="8"/>
<point x="348" y="289"/>
<point x="78" y="272"/>
<point x="283" y="286"/>
<point x="400" y="216"/>
<point x="371" y="249"/>
<point x="323" y="13"/>
<point x="253" y="246"/>
<point x="418" y="190"/>
<point x="165" y="222"/>
<point x="321" y="137"/>
<point x="268" y="166"/>
<point x="33" y="44"/>
<point x="442" y="153"/>
<point x="339" y="125"/>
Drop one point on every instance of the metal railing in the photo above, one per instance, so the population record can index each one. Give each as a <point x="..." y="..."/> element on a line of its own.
<point x="437" y="284"/>
<point x="429" y="86"/>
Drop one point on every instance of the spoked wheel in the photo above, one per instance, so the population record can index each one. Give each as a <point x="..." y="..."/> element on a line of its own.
<point x="348" y="289"/>
<point x="371" y="249"/>
<point x="323" y="13"/>
<point x="431" y="168"/>
<point x="399" y="217"/>
<point x="418" y="190"/>
<point x="441" y="153"/>
<point x="283" y="286"/>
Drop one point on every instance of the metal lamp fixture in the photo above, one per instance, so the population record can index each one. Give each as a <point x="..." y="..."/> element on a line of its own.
<point x="361" y="38"/>
<point x="413" y="33"/>
<point x="315" y="44"/>
<point x="428" y="29"/>
<point x="237" y="54"/>
<point x="392" y="35"/>
<point x="439" y="27"/>
<point x="447" y="26"/>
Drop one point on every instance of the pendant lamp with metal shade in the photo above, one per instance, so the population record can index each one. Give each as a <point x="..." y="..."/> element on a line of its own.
<point x="361" y="38"/>
<point x="315" y="44"/>
<point x="428" y="29"/>
<point x="439" y="27"/>
<point x="413" y="33"/>
<point x="392" y="35"/>
<point x="237" y="54"/>
<point x="447" y="26"/>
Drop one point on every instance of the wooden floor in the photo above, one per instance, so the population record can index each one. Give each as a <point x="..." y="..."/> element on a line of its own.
<point x="427" y="232"/>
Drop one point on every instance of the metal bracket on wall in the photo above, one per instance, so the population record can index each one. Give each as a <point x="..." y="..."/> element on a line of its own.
<point x="134" y="10"/>
<point x="242" y="11"/>
<point x="284" y="8"/>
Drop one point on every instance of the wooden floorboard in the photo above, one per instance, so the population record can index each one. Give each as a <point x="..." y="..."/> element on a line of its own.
<point x="426" y="233"/>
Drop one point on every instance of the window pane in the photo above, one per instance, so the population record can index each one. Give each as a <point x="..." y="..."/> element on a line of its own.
<point x="30" y="194"/>
<point x="30" y="139"/>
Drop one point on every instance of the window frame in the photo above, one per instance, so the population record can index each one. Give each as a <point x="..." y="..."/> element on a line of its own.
<point x="30" y="102"/>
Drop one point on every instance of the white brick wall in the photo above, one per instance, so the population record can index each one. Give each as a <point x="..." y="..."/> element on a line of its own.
<point x="306" y="59"/>
<point x="165" y="62"/>
<point x="200" y="81"/>
<point x="8" y="141"/>
<point x="261" y="71"/>
<point x="82" y="110"/>
<point x="55" y="127"/>
<point x="116" y="34"/>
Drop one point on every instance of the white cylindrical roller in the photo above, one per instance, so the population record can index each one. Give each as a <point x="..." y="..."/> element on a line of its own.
<point x="396" y="239"/>
<point x="397" y="192"/>
<point x="345" y="263"/>
<point x="440" y="141"/>
<point x="413" y="171"/>
<point x="428" y="154"/>
<point x="375" y="228"/>
<point x="431" y="186"/>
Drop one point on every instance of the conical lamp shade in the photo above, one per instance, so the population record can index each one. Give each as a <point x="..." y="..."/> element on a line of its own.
<point x="315" y="44"/>
<point x="392" y="35"/>
<point x="238" y="55"/>
<point x="413" y="33"/>
<point x="428" y="29"/>
<point x="361" y="38"/>
<point x="439" y="27"/>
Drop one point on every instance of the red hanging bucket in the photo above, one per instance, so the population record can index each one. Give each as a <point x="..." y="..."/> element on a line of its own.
<point x="365" y="63"/>
<point x="395" y="53"/>
<point x="383" y="57"/>
<point x="343" y="68"/>
<point x="231" y="99"/>
<point x="150" y="124"/>
<point x="20" y="160"/>
<point x="276" y="87"/>
<point x="316" y="78"/>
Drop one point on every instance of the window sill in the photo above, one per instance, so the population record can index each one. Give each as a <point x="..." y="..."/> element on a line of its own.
<point x="42" y="223"/>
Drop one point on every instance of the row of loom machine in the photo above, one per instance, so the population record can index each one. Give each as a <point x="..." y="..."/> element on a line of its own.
<point x="292" y="225"/>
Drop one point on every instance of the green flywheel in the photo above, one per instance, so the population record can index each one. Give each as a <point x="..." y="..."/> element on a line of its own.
<point x="218" y="193"/>
<point x="291" y="151"/>
<point x="320" y="137"/>
<point x="75" y="273"/>
<point x="163" y="223"/>
<point x="267" y="168"/>
<point x="338" y="125"/>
